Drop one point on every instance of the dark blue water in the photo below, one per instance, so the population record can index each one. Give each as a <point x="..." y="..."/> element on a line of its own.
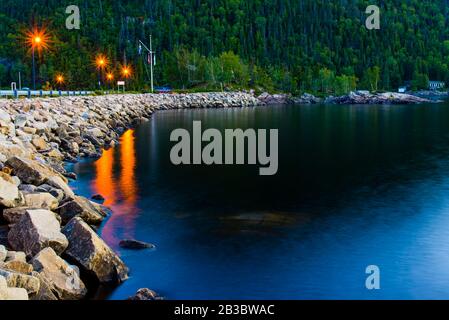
<point x="357" y="186"/>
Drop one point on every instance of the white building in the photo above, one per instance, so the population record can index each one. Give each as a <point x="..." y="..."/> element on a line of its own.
<point x="436" y="85"/>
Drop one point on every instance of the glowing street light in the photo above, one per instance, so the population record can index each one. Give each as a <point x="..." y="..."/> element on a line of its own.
<point x="126" y="71"/>
<point x="37" y="39"/>
<point x="101" y="62"/>
<point x="110" y="76"/>
<point x="59" y="79"/>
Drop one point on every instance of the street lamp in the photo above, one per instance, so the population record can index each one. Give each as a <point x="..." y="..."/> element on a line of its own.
<point x="59" y="80"/>
<point x="110" y="77"/>
<point x="101" y="62"/>
<point x="126" y="71"/>
<point x="37" y="39"/>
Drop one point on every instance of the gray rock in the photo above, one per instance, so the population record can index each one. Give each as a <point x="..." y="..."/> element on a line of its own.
<point x="62" y="278"/>
<point x="135" y="244"/>
<point x="59" y="183"/>
<point x="16" y="256"/>
<point x="38" y="229"/>
<point x="27" y="188"/>
<point x="30" y="172"/>
<point x="145" y="294"/>
<point x="10" y="196"/>
<point x="83" y="208"/>
<point x="41" y="200"/>
<point x="19" y="280"/>
<point x="13" y="215"/>
<point x="92" y="253"/>
<point x="45" y="289"/>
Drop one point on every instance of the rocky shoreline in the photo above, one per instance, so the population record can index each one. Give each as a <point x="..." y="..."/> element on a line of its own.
<point x="356" y="97"/>
<point x="49" y="249"/>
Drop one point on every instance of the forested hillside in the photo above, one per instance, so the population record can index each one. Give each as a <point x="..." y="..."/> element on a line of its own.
<point x="284" y="45"/>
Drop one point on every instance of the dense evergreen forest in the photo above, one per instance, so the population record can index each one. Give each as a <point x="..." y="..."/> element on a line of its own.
<point x="319" y="46"/>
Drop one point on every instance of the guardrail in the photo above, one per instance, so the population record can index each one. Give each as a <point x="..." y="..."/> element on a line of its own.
<point x="41" y="93"/>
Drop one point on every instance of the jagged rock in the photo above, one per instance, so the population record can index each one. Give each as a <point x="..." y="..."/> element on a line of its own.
<point x="45" y="289"/>
<point x="14" y="294"/>
<point x="10" y="196"/>
<point x="37" y="230"/>
<point x="41" y="200"/>
<point x="135" y="244"/>
<point x="271" y="99"/>
<point x="145" y="294"/>
<point x="63" y="279"/>
<point x="40" y="143"/>
<point x="365" y="97"/>
<point x="18" y="266"/>
<point x="56" y="154"/>
<point x="83" y="208"/>
<point x="13" y="215"/>
<point x="27" y="188"/>
<point x="19" y="280"/>
<point x="16" y="256"/>
<point x="59" y="183"/>
<point x="92" y="253"/>
<point x="29" y="171"/>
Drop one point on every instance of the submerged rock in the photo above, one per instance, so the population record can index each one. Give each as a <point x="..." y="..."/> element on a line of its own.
<point x="98" y="197"/>
<point x="89" y="251"/>
<point x="145" y="294"/>
<point x="135" y="244"/>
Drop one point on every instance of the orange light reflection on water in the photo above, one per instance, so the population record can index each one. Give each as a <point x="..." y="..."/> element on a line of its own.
<point x="120" y="192"/>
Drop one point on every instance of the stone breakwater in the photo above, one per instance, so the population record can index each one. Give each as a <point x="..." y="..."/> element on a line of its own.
<point x="356" y="97"/>
<point x="49" y="249"/>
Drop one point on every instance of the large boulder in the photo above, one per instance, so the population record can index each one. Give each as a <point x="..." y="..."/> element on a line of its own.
<point x="13" y="215"/>
<point x="59" y="183"/>
<point x="10" y="196"/>
<point x="42" y="200"/>
<point x="31" y="171"/>
<point x="88" y="250"/>
<point x="62" y="278"/>
<point x="45" y="290"/>
<point x="83" y="208"/>
<point x="38" y="229"/>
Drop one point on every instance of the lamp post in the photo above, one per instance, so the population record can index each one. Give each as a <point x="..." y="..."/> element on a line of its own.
<point x="101" y="62"/>
<point x="37" y="39"/>
<point x="59" y="80"/>
<point x="110" y="77"/>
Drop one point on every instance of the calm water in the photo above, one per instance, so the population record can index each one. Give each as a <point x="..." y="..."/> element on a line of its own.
<point x="357" y="186"/>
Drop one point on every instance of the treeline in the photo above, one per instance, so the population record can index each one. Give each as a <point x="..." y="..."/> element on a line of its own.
<point x="320" y="46"/>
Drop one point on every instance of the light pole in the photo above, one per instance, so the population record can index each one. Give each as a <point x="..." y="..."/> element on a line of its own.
<point x="152" y="59"/>
<point x="59" y="80"/>
<point x="101" y="62"/>
<point x="37" y="39"/>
